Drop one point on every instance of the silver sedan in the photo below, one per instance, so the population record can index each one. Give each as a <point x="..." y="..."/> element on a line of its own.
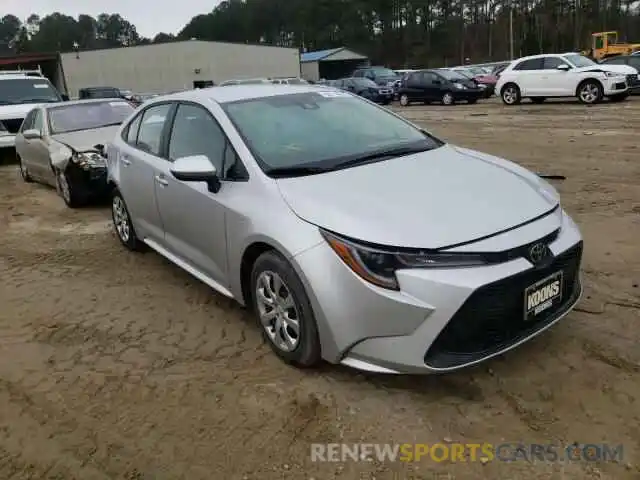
<point x="354" y="235"/>
<point x="63" y="145"/>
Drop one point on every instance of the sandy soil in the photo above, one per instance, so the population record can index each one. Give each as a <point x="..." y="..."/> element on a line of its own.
<point x="118" y="365"/>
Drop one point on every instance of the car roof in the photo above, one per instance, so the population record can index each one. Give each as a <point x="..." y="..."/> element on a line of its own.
<point x="233" y="93"/>
<point x="88" y="101"/>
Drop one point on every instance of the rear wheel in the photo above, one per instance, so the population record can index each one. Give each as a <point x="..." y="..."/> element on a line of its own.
<point x="590" y="92"/>
<point x="447" y="99"/>
<point x="122" y="223"/>
<point x="24" y="173"/>
<point x="511" y="94"/>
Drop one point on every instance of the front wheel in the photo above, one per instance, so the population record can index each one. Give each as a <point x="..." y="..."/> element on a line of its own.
<point x="284" y="311"/>
<point x="404" y="100"/>
<point x="590" y="92"/>
<point x="67" y="190"/>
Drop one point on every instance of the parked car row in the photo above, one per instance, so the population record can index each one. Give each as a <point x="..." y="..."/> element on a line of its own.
<point x="286" y="217"/>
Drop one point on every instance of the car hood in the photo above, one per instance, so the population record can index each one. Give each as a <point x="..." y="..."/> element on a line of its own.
<point x="623" y="69"/>
<point x="8" y="112"/>
<point x="84" y="140"/>
<point x="433" y="199"/>
<point x="486" y="79"/>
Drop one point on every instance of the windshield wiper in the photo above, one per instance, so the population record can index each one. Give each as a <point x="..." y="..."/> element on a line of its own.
<point x="295" y="171"/>
<point x="382" y="155"/>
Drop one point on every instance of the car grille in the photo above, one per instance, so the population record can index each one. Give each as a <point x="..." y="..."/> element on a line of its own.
<point x="13" y="124"/>
<point x="492" y="318"/>
<point x="632" y="80"/>
<point x="385" y="91"/>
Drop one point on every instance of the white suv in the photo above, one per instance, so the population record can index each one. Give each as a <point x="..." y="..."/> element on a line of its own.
<point x="21" y="92"/>
<point x="563" y="75"/>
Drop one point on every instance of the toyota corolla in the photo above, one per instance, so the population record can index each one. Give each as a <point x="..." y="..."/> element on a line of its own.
<point x="354" y="235"/>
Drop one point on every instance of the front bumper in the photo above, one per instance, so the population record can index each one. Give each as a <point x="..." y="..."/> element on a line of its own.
<point x="7" y="141"/>
<point x="615" y="85"/>
<point x="442" y="319"/>
<point x="90" y="182"/>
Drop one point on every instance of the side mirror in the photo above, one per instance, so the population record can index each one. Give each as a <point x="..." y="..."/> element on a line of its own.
<point x="196" y="168"/>
<point x="65" y="97"/>
<point x="31" y="134"/>
<point x="563" y="67"/>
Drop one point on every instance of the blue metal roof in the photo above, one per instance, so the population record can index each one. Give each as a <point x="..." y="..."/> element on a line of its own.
<point x="319" y="55"/>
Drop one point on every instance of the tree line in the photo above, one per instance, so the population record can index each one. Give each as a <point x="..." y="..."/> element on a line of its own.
<point x="396" y="33"/>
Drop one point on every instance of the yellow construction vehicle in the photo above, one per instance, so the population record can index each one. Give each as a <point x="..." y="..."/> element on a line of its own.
<point x="606" y="44"/>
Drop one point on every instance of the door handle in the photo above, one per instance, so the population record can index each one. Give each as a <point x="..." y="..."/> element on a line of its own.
<point x="125" y="160"/>
<point x="161" y="180"/>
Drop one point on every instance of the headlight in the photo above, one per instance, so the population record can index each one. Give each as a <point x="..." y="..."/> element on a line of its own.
<point x="613" y="74"/>
<point x="459" y="86"/>
<point x="89" y="160"/>
<point x="379" y="266"/>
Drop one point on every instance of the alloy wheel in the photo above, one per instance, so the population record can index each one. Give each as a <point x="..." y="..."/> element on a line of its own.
<point x="404" y="100"/>
<point x="121" y="219"/>
<point x="277" y="310"/>
<point x="63" y="186"/>
<point x="510" y="95"/>
<point x="447" y="99"/>
<point x="589" y="93"/>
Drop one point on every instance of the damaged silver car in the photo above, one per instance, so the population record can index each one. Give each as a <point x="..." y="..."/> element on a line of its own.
<point x="64" y="145"/>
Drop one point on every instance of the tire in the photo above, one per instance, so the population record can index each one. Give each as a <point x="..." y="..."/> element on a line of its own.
<point x="510" y="94"/>
<point x="122" y="224"/>
<point x="448" y="99"/>
<point x="621" y="97"/>
<point x="538" y="100"/>
<point x="589" y="92"/>
<point x="404" y="100"/>
<point x="67" y="190"/>
<point x="303" y="347"/>
<point x="24" y="173"/>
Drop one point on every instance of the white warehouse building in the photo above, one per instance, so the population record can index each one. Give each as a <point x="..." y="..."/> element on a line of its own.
<point x="164" y="67"/>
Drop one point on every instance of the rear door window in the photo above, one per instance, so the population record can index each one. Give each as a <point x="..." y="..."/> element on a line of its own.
<point x="531" y="64"/>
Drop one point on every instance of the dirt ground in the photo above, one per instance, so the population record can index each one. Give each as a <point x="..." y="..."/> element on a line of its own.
<point x="120" y="365"/>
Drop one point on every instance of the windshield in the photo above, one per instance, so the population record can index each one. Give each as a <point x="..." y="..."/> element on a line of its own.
<point x="579" y="60"/>
<point x="452" y="75"/>
<point x="27" y="90"/>
<point x="384" y="72"/>
<point x="319" y="129"/>
<point x="86" y="116"/>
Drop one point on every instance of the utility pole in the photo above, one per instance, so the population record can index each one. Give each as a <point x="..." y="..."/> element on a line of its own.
<point x="511" y="29"/>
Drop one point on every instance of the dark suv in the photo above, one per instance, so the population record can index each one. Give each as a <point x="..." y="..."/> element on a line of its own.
<point x="441" y="85"/>
<point x="633" y="61"/>
<point x="99" y="92"/>
<point x="385" y="77"/>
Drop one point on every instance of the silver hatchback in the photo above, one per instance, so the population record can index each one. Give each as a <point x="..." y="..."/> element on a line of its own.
<point x="355" y="236"/>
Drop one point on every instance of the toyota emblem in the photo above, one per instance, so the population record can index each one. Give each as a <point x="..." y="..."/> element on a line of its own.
<point x="537" y="253"/>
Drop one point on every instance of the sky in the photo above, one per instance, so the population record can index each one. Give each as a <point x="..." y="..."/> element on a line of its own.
<point x="149" y="17"/>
